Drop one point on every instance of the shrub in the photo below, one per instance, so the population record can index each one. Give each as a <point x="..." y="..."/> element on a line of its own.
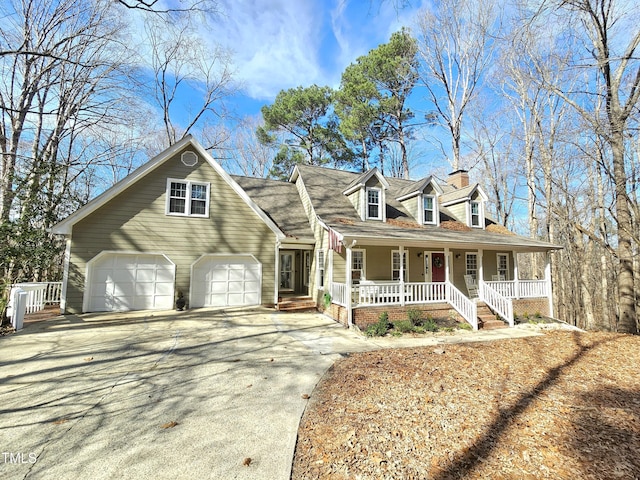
<point x="379" y="328"/>
<point x="414" y="316"/>
<point x="403" y="326"/>
<point x="430" y="325"/>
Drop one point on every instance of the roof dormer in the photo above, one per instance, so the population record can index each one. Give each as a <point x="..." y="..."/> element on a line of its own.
<point x="421" y="200"/>
<point x="467" y="205"/>
<point x="367" y="194"/>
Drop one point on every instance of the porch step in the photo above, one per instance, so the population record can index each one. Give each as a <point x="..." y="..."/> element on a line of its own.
<point x="296" y="304"/>
<point x="487" y="320"/>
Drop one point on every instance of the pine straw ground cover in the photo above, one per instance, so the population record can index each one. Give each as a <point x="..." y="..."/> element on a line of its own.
<point x="565" y="405"/>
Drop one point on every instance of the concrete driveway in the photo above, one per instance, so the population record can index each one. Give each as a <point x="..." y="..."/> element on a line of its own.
<point x="161" y="395"/>
<point x="169" y="395"/>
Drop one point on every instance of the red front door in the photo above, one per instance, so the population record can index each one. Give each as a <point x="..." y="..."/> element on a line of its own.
<point x="437" y="267"/>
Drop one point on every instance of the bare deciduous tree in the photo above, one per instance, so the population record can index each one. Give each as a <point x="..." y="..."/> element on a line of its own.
<point x="456" y="44"/>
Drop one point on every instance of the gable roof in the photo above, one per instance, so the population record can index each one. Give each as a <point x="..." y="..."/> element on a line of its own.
<point x="325" y="186"/>
<point x="417" y="188"/>
<point x="65" y="226"/>
<point x="457" y="195"/>
<point x="361" y="181"/>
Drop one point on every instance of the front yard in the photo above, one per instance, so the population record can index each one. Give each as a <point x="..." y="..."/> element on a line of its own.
<point x="562" y="406"/>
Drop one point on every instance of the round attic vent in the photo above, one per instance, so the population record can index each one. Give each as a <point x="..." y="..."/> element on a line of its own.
<point x="189" y="159"/>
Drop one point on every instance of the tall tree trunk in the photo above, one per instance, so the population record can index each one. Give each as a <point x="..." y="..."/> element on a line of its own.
<point x="628" y="320"/>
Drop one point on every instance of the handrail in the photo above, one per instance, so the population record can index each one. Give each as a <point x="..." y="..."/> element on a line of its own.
<point x="503" y="306"/>
<point x="464" y="306"/>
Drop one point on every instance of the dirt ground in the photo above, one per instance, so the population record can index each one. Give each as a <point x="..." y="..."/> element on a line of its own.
<point x="565" y="405"/>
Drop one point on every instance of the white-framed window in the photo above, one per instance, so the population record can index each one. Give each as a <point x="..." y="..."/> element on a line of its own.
<point x="429" y="210"/>
<point x="502" y="260"/>
<point x="395" y="265"/>
<point x="476" y="214"/>
<point x="358" y="263"/>
<point x="374" y="203"/>
<point x="472" y="265"/>
<point x="320" y="269"/>
<point x="307" y="268"/>
<point x="186" y="198"/>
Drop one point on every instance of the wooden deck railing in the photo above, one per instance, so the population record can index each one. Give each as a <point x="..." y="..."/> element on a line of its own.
<point x="40" y="294"/>
<point x="500" y="304"/>
<point x="521" y="288"/>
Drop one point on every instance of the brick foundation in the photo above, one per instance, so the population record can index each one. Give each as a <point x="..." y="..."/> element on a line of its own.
<point x="365" y="316"/>
<point x="531" y="306"/>
<point x="337" y="312"/>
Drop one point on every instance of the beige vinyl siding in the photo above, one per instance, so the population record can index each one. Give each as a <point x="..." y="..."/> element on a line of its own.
<point x="413" y="206"/>
<point x="490" y="263"/>
<point x="322" y="240"/>
<point x="459" y="211"/>
<point x="356" y="200"/>
<point x="135" y="221"/>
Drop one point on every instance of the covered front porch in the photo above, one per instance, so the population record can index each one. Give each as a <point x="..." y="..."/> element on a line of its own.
<point x="461" y="278"/>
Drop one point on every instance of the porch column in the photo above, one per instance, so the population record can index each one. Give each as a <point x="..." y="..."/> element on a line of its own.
<point x="402" y="275"/>
<point x="275" y="295"/>
<point x="480" y="274"/>
<point x="547" y="278"/>
<point x="349" y="283"/>
<point x="447" y="265"/>
<point x="516" y="280"/>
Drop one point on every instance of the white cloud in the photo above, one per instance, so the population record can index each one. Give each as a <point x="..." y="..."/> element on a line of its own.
<point x="275" y="43"/>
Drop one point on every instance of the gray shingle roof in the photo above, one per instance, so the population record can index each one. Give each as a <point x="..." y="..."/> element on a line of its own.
<point x="281" y="202"/>
<point x="325" y="187"/>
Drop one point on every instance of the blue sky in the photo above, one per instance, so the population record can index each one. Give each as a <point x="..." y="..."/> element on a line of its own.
<point x="281" y="44"/>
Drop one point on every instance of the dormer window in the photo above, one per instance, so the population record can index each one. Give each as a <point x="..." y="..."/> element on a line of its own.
<point x="476" y="216"/>
<point x="374" y="207"/>
<point x="429" y="209"/>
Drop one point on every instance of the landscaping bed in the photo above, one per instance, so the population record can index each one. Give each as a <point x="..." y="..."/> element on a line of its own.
<point x="564" y="405"/>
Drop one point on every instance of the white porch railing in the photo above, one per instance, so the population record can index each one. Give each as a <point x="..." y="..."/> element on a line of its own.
<point x="339" y="293"/>
<point x="521" y="289"/>
<point x="40" y="294"/>
<point x="500" y="304"/>
<point x="395" y="293"/>
<point x="465" y="306"/>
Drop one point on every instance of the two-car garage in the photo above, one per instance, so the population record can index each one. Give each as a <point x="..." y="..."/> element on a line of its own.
<point x="120" y="281"/>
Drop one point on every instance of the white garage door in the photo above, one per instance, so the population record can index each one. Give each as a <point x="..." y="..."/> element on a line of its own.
<point x="125" y="281"/>
<point x="226" y="281"/>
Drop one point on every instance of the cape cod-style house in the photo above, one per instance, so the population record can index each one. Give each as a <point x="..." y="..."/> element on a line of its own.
<point x="354" y="243"/>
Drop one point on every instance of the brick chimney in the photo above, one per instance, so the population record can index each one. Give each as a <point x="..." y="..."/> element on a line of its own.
<point x="458" y="179"/>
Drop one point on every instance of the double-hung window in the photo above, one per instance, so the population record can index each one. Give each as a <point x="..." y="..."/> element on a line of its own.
<point x="503" y="265"/>
<point x="428" y="209"/>
<point x="187" y="198"/>
<point x="395" y="265"/>
<point x="472" y="265"/>
<point x="374" y="203"/>
<point x="475" y="214"/>
<point x="320" y="269"/>
<point x="357" y="266"/>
